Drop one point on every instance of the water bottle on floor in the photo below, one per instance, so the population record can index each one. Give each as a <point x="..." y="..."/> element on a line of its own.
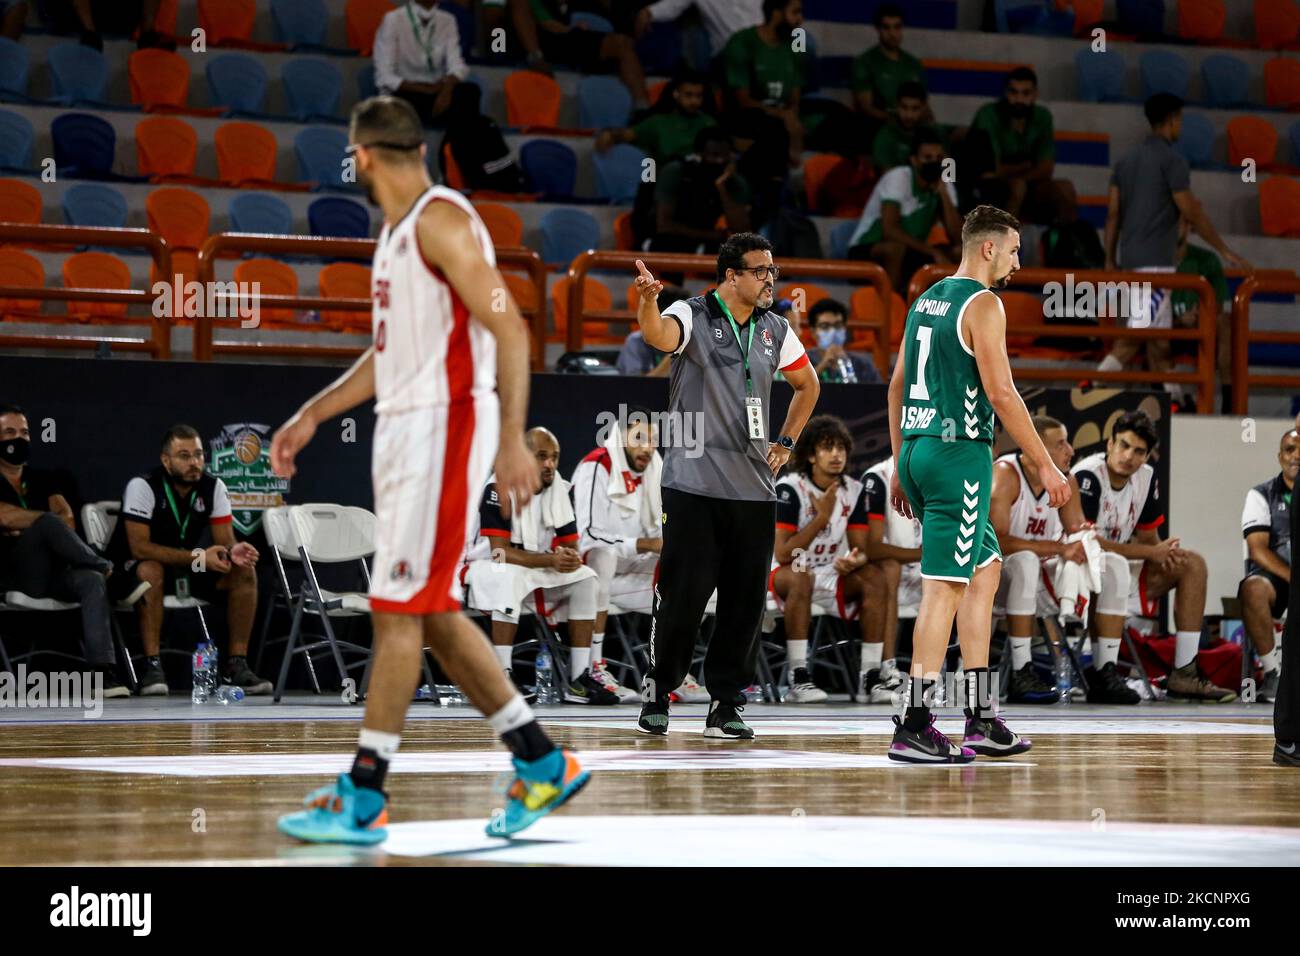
<point x="229" y="694"/>
<point x="202" y="671"/>
<point x="1063" y="681"/>
<point x="546" y="689"/>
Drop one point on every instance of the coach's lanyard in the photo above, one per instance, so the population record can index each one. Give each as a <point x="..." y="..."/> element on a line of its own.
<point x="176" y="513"/>
<point x="426" y="41"/>
<point x="744" y="346"/>
<point x="21" y="494"/>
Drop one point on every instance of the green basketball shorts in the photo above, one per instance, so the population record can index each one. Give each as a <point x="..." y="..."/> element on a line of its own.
<point x="949" y="484"/>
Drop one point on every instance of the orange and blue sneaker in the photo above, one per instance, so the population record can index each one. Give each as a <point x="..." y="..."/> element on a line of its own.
<point x="340" y="813"/>
<point x="538" y="787"/>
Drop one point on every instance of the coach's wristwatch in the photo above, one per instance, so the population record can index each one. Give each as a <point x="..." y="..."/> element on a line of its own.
<point x="786" y="442"/>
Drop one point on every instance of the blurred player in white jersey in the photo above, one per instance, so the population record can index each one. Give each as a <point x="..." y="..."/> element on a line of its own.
<point x="441" y="310"/>
<point x="893" y="584"/>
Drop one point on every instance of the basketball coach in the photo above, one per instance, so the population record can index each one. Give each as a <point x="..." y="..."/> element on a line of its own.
<point x="1286" y="710"/>
<point x="719" y="501"/>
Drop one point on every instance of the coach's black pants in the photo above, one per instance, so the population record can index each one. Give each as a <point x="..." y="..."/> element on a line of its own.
<point x="710" y="543"/>
<point x="1286" y="709"/>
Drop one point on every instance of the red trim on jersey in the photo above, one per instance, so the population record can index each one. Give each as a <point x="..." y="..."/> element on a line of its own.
<point x="1152" y="524"/>
<point x="842" y="604"/>
<point x="800" y="362"/>
<point x="1148" y="607"/>
<point x="566" y="539"/>
<point x="771" y="587"/>
<point x="859" y="527"/>
<point x="786" y="526"/>
<point x="449" y="532"/>
<point x="226" y="520"/>
<point x="494" y="532"/>
<point x="874" y="517"/>
<point x="600" y="456"/>
<point x="1042" y="568"/>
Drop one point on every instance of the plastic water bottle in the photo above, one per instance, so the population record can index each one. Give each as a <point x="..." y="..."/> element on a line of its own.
<point x="546" y="690"/>
<point x="229" y="694"/>
<point x="847" y="374"/>
<point x="1063" y="682"/>
<point x="203" y="672"/>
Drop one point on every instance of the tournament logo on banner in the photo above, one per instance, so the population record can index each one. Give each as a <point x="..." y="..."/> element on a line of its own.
<point x="241" y="457"/>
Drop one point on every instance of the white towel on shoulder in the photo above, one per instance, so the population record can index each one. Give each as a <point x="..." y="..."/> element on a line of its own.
<point x="620" y="494"/>
<point x="549" y="509"/>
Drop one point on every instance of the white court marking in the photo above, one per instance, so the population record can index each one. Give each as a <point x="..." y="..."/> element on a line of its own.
<point x="952" y="726"/>
<point x="752" y="840"/>
<point x="473" y="761"/>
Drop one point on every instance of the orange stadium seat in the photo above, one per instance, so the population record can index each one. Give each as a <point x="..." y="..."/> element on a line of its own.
<point x="1250" y="137"/>
<point x="363" y="18"/>
<point x="1279" y="206"/>
<point x="532" y="99"/>
<point x="521" y="289"/>
<point x="1087" y="14"/>
<point x="19" y="202"/>
<point x="246" y="153"/>
<point x="158" y="78"/>
<point x="812" y="293"/>
<point x="165" y="146"/>
<point x="865" y="306"/>
<point x="624" y="238"/>
<point x="25" y="271"/>
<point x="595" y="297"/>
<point x="1277" y="23"/>
<point x="455" y="179"/>
<point x="656" y="90"/>
<point x="224" y="20"/>
<point x="815" y="170"/>
<point x="1282" y="83"/>
<point x="347" y="280"/>
<point x="96" y="270"/>
<point x="275" y="278"/>
<point x="503" y="223"/>
<point x="1201" y="21"/>
<point x="165" y="21"/>
<point x="181" y="216"/>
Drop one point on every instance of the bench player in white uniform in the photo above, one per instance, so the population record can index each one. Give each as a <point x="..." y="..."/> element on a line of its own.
<point x="894" y="584"/>
<point x="820" y="550"/>
<point x="533" y="558"/>
<point x="1032" y="535"/>
<point x="1120" y="496"/>
<point x="447" y="337"/>
<point x="617" y="501"/>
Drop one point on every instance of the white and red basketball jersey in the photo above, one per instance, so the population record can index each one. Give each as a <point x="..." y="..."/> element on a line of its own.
<point x="796" y="506"/>
<point x="1033" y="519"/>
<point x="1118" y="512"/>
<point x="428" y="349"/>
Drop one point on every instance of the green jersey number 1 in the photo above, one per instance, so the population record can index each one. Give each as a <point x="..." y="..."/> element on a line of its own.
<point x="918" y="391"/>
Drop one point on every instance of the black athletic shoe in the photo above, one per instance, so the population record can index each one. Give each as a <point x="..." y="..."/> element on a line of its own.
<point x="529" y="695"/>
<point x="1105" y="686"/>
<point x="654" y="718"/>
<point x="1286" y="754"/>
<point x="241" y="675"/>
<point x="725" y="722"/>
<point x="153" y="683"/>
<point x="585" y="689"/>
<point x="925" y="746"/>
<point x="1268" y="690"/>
<point x="1026" y="688"/>
<point x="991" y="737"/>
<point x="112" y="686"/>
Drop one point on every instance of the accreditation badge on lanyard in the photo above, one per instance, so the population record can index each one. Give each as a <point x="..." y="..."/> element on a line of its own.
<point x="754" y="409"/>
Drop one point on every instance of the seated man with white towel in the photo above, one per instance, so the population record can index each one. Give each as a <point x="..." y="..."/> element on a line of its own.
<point x="530" y="556"/>
<point x="617" y="501"/>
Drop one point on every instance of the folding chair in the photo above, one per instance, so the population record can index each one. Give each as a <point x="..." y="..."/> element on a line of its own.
<point x="18" y="601"/>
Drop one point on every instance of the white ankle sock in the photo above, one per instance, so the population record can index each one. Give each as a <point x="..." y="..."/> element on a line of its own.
<point x="513" y="714"/>
<point x="1106" y="652"/>
<point x="579" y="659"/>
<point x="1272" y="660"/>
<point x="503" y="654"/>
<point x="1019" y="651"/>
<point x="382" y="743"/>
<point x="598" y="647"/>
<point x="871" y="657"/>
<point x="797" y="653"/>
<point x="1188" y="643"/>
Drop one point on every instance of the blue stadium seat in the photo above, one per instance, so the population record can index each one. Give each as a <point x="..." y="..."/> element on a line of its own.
<point x="321" y="151"/>
<point x="13" y="69"/>
<point x="80" y="73"/>
<point x="366" y="82"/>
<point x="1226" y="80"/>
<point x="592" y="21"/>
<point x="312" y="88"/>
<point x="84" y="145"/>
<point x="1164" y="72"/>
<point x="1031" y="16"/>
<point x="565" y="233"/>
<point x="618" y="173"/>
<point x="94" y="204"/>
<point x="466" y="24"/>
<point x="660" y="49"/>
<point x="550" y="167"/>
<point x="335" y="216"/>
<point x="261" y="212"/>
<point x="237" y="81"/>
<point x="841" y="233"/>
<point x="300" y="22"/>
<point x="1100" y="76"/>
<point x="603" y="101"/>
<point x="16" y="136"/>
<point x="1145" y="18"/>
<point x="1196" y="140"/>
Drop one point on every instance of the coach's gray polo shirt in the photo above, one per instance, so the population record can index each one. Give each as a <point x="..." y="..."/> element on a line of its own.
<point x="1148" y="175"/>
<point x="711" y="453"/>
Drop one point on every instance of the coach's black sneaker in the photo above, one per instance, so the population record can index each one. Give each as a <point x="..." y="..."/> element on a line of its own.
<point x="1027" y="688"/>
<point x="1105" y="686"/>
<point x="725" y="721"/>
<point x="925" y="746"/>
<point x="112" y="686"/>
<point x="529" y="695"/>
<point x="991" y="737"/>
<point x="1186" y="683"/>
<point x="153" y="682"/>
<point x="1268" y="690"/>
<point x="241" y="675"/>
<point x="585" y="689"/>
<point x="654" y="718"/>
<point x="1286" y="753"/>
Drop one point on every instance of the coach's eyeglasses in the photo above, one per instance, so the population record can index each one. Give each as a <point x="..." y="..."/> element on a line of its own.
<point x="761" y="272"/>
<point x="353" y="147"/>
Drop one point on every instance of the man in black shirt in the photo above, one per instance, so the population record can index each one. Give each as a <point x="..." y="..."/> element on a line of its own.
<point x="40" y="553"/>
<point x="164" y="515"/>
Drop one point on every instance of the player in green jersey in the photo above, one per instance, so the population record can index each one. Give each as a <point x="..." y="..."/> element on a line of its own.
<point x="952" y="376"/>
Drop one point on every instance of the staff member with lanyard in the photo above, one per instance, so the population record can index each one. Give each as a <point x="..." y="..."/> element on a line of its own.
<point x="1286" y="709"/>
<point x="719" y="500"/>
<point x="417" y="57"/>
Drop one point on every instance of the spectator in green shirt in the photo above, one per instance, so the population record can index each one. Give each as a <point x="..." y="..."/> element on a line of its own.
<point x="547" y="36"/>
<point x="1199" y="261"/>
<point x="701" y="198"/>
<point x="893" y="142"/>
<point x="668" y="133"/>
<point x="878" y="74"/>
<point x="1024" y="152"/>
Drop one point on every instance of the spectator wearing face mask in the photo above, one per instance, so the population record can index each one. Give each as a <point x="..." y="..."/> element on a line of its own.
<point x="831" y="359"/>
<point x="417" y="57"/>
<point x="701" y="198"/>
<point x="40" y="553"/>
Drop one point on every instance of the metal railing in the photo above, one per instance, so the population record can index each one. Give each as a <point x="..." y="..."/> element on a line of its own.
<point x="1243" y="336"/>
<point x="325" y="247"/>
<point x="158" y="345"/>
<point x="1203" y="333"/>
<point x="660" y="262"/>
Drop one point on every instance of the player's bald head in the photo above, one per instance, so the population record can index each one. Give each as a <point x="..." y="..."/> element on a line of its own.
<point x="541" y="439"/>
<point x="1290" y="438"/>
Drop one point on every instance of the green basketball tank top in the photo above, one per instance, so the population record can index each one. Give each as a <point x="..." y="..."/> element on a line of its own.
<point x="942" y="392"/>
